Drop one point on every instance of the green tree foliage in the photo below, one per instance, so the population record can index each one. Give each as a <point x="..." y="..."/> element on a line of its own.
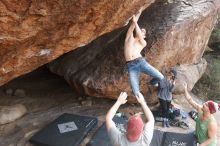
<point x="215" y="37"/>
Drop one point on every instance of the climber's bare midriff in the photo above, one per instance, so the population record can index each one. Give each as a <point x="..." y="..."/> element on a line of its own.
<point x="132" y="49"/>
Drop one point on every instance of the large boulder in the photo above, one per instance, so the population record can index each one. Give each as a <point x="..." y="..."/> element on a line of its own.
<point x="208" y="86"/>
<point x="189" y="74"/>
<point x="177" y="33"/>
<point x="214" y="41"/>
<point x="34" y="33"/>
<point x="11" y="113"/>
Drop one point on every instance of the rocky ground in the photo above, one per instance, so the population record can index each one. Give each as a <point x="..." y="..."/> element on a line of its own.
<point x="47" y="96"/>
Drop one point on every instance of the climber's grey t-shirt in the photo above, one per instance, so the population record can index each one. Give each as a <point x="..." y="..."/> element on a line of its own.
<point x="119" y="139"/>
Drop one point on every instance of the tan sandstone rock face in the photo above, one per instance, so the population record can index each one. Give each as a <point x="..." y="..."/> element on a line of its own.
<point x="33" y="33"/>
<point x="11" y="113"/>
<point x="177" y="33"/>
<point x="189" y="74"/>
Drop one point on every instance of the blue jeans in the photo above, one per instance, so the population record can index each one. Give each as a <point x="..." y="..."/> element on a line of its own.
<point x="137" y="66"/>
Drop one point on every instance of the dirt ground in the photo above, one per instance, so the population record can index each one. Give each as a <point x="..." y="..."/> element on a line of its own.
<point x="47" y="96"/>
